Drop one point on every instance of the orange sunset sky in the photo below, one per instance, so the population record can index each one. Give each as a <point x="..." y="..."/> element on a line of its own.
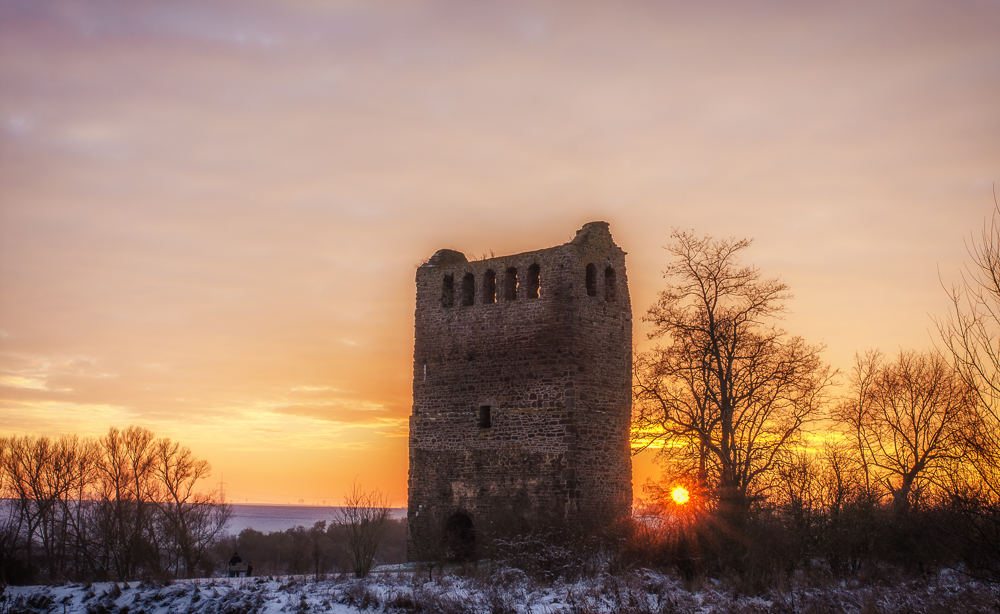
<point x="211" y="212"/>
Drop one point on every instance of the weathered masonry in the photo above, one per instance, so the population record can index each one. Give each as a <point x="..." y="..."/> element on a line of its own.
<point x="521" y="392"/>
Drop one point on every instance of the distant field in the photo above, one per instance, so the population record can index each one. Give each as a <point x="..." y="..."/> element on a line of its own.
<point x="270" y="518"/>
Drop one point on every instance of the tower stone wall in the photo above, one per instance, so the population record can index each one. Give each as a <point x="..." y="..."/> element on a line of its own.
<point x="521" y="390"/>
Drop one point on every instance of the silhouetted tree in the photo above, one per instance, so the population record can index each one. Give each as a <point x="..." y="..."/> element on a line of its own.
<point x="126" y="492"/>
<point x="364" y="520"/>
<point x="907" y="419"/>
<point x="849" y="527"/>
<point x="39" y="474"/>
<point x="971" y="335"/>
<point x="319" y="548"/>
<point x="123" y="505"/>
<point x="729" y="393"/>
<point x="191" y="520"/>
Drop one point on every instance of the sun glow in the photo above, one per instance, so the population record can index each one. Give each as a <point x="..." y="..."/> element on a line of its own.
<point x="680" y="495"/>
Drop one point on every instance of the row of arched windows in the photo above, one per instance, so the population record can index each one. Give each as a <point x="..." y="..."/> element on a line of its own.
<point x="609" y="282"/>
<point x="512" y="285"/>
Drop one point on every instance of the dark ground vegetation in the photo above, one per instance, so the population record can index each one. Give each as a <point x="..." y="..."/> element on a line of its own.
<point x="317" y="551"/>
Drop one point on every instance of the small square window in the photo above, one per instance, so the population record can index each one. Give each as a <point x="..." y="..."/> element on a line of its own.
<point x="485" y="420"/>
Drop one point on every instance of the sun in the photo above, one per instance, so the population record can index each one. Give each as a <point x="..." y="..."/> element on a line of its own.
<point x="680" y="495"/>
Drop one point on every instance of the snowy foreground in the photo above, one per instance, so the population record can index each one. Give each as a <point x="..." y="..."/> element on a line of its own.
<point x="499" y="592"/>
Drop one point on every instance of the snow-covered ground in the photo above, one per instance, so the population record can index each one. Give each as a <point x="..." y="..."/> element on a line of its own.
<point x="491" y="592"/>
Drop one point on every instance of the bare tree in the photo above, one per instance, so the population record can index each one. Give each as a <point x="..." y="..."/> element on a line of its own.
<point x="908" y="419"/>
<point x="30" y="473"/>
<point x="729" y="394"/>
<point x="126" y="492"/>
<point x="40" y="476"/>
<point x="971" y="335"/>
<point x="428" y="544"/>
<point x="192" y="520"/>
<point x="839" y="481"/>
<point x="364" y="519"/>
<point x="123" y="506"/>
<point x="66" y="477"/>
<point x="11" y="517"/>
<point x="77" y="506"/>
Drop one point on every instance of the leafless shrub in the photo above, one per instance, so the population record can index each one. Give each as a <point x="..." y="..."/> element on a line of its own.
<point x="364" y="519"/>
<point x="358" y="594"/>
<point x="549" y="553"/>
<point x="421" y="600"/>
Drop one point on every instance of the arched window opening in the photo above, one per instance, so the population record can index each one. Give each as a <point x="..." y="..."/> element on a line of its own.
<point x="485" y="419"/>
<point x="490" y="287"/>
<point x="468" y="290"/>
<point x="510" y="285"/>
<point x="459" y="538"/>
<point x="448" y="291"/>
<point x="591" y="280"/>
<point x="609" y="284"/>
<point x="534" y="282"/>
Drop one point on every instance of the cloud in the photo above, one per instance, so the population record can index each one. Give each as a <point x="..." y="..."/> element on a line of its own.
<point x="20" y="381"/>
<point x="212" y="212"/>
<point x="341" y="413"/>
<point x="20" y="125"/>
<point x="46" y="417"/>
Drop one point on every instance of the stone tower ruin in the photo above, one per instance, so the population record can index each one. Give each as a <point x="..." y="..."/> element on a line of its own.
<point x="522" y="372"/>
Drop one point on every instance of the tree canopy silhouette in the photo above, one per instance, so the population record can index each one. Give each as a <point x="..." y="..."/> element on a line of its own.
<point x="907" y="420"/>
<point x="729" y="392"/>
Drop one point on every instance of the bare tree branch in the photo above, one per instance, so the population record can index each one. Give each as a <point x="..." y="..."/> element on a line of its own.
<point x="730" y="392"/>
